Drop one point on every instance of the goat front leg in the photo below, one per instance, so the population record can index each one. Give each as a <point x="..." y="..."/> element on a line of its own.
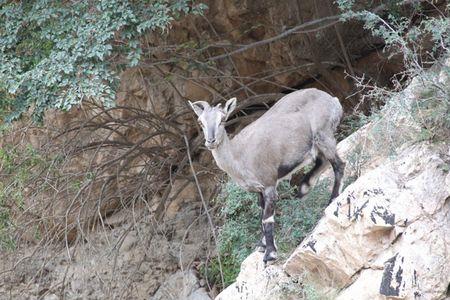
<point x="261" y="246"/>
<point x="268" y="222"/>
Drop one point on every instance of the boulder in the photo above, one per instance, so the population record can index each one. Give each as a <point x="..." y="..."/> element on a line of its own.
<point x="387" y="234"/>
<point x="384" y="237"/>
<point x="258" y="282"/>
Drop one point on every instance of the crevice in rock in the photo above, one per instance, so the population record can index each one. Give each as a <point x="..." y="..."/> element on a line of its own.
<point x="355" y="275"/>
<point x="397" y="238"/>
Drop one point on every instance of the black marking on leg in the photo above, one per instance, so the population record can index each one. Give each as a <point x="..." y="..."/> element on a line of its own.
<point x="261" y="246"/>
<point x="318" y="163"/>
<point x="261" y="200"/>
<point x="271" y="251"/>
<point x="338" y="168"/>
<point x="270" y="256"/>
<point x="270" y="196"/>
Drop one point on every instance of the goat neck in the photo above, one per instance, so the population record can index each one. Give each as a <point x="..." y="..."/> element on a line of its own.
<point x="224" y="156"/>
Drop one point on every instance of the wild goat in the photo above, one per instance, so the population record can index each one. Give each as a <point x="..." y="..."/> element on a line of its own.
<point x="297" y="130"/>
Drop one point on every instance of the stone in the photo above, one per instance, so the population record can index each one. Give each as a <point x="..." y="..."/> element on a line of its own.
<point x="366" y="287"/>
<point x="182" y="285"/>
<point x="255" y="282"/>
<point x="385" y="235"/>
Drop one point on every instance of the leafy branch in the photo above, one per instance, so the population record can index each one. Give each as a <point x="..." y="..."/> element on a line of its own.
<point x="55" y="54"/>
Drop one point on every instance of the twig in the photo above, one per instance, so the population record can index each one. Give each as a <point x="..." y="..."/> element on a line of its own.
<point x="205" y="207"/>
<point x="296" y="29"/>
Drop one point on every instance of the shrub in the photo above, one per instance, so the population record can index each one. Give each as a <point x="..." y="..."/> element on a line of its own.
<point x="55" y="54"/>
<point x="241" y="228"/>
<point x="422" y="42"/>
<point x="16" y="165"/>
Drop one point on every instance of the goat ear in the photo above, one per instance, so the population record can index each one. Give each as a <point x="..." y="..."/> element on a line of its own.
<point x="229" y="107"/>
<point x="199" y="106"/>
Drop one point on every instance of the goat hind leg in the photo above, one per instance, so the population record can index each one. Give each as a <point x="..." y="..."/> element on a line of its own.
<point x="305" y="183"/>
<point x="338" y="168"/>
<point x="326" y="143"/>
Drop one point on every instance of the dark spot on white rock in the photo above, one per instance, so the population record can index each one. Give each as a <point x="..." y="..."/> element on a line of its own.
<point x="311" y="245"/>
<point x="371" y="192"/>
<point x="350" y="197"/>
<point x="383" y="213"/>
<point x="336" y="212"/>
<point x="358" y="211"/>
<point x="390" y="282"/>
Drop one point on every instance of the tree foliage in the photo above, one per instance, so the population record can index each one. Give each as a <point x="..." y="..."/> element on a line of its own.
<point x="418" y="36"/>
<point x="422" y="39"/>
<point x="55" y="54"/>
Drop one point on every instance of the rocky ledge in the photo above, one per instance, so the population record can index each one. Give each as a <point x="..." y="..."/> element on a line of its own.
<point x="386" y="236"/>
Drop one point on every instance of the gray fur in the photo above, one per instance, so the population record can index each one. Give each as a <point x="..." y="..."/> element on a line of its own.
<point x="294" y="130"/>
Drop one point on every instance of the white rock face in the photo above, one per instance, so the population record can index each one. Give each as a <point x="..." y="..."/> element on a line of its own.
<point x="256" y="282"/>
<point x="387" y="234"/>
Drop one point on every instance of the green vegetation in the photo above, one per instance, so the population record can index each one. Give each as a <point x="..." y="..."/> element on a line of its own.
<point x="241" y="228"/>
<point x="350" y="124"/>
<point x="238" y="235"/>
<point x="55" y="54"/>
<point x="16" y="167"/>
<point x="424" y="45"/>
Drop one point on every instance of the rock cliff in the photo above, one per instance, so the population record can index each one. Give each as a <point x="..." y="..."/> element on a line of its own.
<point x="387" y="234"/>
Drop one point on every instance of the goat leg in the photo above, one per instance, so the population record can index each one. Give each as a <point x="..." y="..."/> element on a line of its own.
<point x="261" y="246"/>
<point x="270" y="196"/>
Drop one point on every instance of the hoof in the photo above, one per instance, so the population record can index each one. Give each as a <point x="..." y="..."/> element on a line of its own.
<point x="270" y="256"/>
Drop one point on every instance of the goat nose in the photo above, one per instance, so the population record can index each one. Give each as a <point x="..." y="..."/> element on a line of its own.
<point x="210" y="141"/>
